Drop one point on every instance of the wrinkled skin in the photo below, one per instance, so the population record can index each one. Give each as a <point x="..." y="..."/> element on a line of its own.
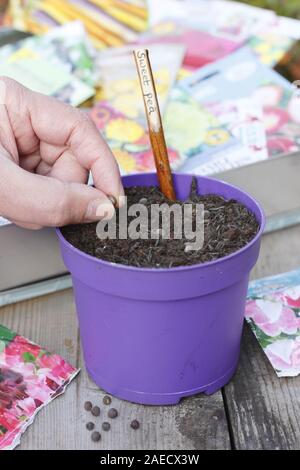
<point x="46" y="151"/>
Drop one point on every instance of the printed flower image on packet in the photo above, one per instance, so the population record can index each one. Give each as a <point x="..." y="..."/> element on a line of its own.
<point x="129" y="140"/>
<point x="273" y="312"/>
<point x="30" y="378"/>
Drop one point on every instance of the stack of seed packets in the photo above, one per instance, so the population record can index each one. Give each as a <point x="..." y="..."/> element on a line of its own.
<point x="30" y="378"/>
<point x="225" y="84"/>
<point x="273" y="312"/>
<point x="109" y="23"/>
<point x="226" y="19"/>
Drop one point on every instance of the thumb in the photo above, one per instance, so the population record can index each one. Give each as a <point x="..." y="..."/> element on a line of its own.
<point x="30" y="199"/>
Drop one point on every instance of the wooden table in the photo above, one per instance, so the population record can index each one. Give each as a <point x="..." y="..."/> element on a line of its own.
<point x="255" y="411"/>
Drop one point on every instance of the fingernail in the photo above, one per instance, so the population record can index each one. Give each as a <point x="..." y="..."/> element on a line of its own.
<point x="121" y="201"/>
<point x="121" y="189"/>
<point x="122" y="197"/>
<point x="99" y="209"/>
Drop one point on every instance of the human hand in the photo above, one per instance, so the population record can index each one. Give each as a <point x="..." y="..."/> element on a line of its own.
<point x="46" y="151"/>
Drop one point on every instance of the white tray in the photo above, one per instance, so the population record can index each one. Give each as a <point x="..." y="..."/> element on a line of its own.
<point x="28" y="257"/>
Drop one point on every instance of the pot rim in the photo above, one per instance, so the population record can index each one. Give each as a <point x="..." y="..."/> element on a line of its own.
<point x="176" y="268"/>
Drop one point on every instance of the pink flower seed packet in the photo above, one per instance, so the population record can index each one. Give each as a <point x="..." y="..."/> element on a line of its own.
<point x="30" y="378"/>
<point x="273" y="312"/>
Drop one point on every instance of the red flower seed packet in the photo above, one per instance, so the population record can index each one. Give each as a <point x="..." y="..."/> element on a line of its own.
<point x="30" y="378"/>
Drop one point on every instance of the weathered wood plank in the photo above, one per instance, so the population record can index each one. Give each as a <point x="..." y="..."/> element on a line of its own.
<point x="264" y="410"/>
<point x="197" y="423"/>
<point x="49" y="321"/>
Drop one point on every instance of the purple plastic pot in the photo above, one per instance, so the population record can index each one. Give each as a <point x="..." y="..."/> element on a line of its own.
<point x="153" y="336"/>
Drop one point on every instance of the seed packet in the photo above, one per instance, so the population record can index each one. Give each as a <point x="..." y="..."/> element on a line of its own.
<point x="202" y="47"/>
<point x="241" y="75"/>
<point x="69" y="47"/>
<point x="193" y="130"/>
<point x="226" y="19"/>
<point x="273" y="313"/>
<point x="109" y="23"/>
<point x="119" y="80"/>
<point x="59" y="63"/>
<point x="30" y="378"/>
<point x="214" y="138"/>
<point x="128" y="140"/>
<point x="235" y="76"/>
<point x="238" y="20"/>
<point x="244" y="119"/>
<point x="269" y="46"/>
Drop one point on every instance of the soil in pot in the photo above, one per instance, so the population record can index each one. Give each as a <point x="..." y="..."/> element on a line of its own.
<point x="228" y="226"/>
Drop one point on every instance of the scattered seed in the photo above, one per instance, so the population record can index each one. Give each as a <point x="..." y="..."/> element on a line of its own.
<point x="221" y="219"/>
<point x="143" y="200"/>
<point x="107" y="400"/>
<point x="95" y="411"/>
<point x="231" y="234"/>
<point x="112" y="413"/>
<point x="135" y="424"/>
<point x="90" y="426"/>
<point x="88" y="406"/>
<point x="105" y="426"/>
<point x="96" y="436"/>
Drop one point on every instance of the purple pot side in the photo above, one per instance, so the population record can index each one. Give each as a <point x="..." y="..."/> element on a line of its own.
<point x="153" y="336"/>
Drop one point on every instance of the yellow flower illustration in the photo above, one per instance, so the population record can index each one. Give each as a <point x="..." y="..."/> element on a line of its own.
<point x="187" y="125"/>
<point x="216" y="137"/>
<point x="100" y="94"/>
<point x="164" y="28"/>
<point x="126" y="161"/>
<point x="263" y="48"/>
<point x="128" y="104"/>
<point x="162" y="81"/>
<point x="124" y="130"/>
<point x="23" y="53"/>
<point x="183" y="73"/>
<point x="122" y="86"/>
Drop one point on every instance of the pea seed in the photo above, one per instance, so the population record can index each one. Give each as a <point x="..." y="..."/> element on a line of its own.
<point x="88" y="406"/>
<point x="135" y="424"/>
<point x="106" y="400"/>
<point x="90" y="426"/>
<point x="96" y="436"/>
<point x="95" y="411"/>
<point x="105" y="426"/>
<point x="112" y="413"/>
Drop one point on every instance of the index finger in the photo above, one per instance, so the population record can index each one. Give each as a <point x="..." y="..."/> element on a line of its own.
<point x="54" y="122"/>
